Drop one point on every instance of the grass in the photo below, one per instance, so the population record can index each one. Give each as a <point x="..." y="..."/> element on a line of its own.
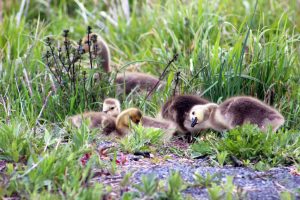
<point x="141" y="139"/>
<point x="207" y="181"/>
<point x="153" y="188"/>
<point x="225" y="48"/>
<point x="252" y="147"/>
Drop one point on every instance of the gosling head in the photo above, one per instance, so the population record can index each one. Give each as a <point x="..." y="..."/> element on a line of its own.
<point x="111" y="107"/>
<point x="135" y="115"/>
<point x="125" y="118"/>
<point x="129" y="115"/>
<point x="200" y="113"/>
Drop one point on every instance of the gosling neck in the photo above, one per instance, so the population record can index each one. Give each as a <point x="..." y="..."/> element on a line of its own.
<point x="215" y="121"/>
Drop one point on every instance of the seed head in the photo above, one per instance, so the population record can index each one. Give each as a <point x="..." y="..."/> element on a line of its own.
<point x="66" y="33"/>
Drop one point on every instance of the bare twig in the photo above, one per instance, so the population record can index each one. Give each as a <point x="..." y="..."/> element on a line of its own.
<point x="79" y="53"/>
<point x="55" y="75"/>
<point x="162" y="75"/>
<point x="66" y="43"/>
<point x="71" y="65"/>
<point x="176" y="82"/>
<point x="62" y="62"/>
<point x="74" y="77"/>
<point x="89" y="45"/>
<point x="84" y="89"/>
<point x="58" y="78"/>
<point x="196" y="75"/>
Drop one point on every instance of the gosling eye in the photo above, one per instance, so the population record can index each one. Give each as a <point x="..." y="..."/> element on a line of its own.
<point x="193" y="113"/>
<point x="112" y="108"/>
<point x="137" y="121"/>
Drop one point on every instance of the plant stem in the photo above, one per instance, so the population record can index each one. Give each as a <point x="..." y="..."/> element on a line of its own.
<point x="162" y="74"/>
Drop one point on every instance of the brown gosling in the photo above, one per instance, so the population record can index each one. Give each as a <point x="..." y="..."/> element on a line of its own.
<point x="104" y="120"/>
<point x="130" y="81"/>
<point x="234" y="112"/>
<point x="125" y="118"/>
<point x="127" y="81"/>
<point x="135" y="115"/>
<point x="177" y="110"/>
<point x="96" y="120"/>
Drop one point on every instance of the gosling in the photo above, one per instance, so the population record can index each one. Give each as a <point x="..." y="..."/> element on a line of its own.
<point x="98" y="48"/>
<point x="125" y="118"/>
<point x="127" y="81"/>
<point x="96" y="120"/>
<point x="130" y="81"/>
<point x="177" y="110"/>
<point x="135" y="115"/>
<point x="234" y="112"/>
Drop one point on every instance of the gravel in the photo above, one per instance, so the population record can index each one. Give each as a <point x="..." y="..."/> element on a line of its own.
<point x="249" y="183"/>
<point x="253" y="184"/>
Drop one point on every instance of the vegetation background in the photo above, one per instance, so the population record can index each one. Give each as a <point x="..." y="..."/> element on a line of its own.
<point x="224" y="47"/>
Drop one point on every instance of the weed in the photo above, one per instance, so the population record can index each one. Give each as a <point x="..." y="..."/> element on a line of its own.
<point x="14" y="143"/>
<point x="249" y="144"/>
<point x="141" y="139"/>
<point x="152" y="188"/>
<point x="215" y="192"/>
<point x="149" y="185"/>
<point x="226" y="190"/>
<point x="126" y="180"/>
<point x="286" y="196"/>
<point x="206" y="181"/>
<point x="201" y="148"/>
<point x="175" y="186"/>
<point x="173" y="150"/>
<point x="221" y="157"/>
<point x="71" y="76"/>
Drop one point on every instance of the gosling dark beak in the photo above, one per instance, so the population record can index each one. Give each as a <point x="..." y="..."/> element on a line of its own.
<point x="194" y="121"/>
